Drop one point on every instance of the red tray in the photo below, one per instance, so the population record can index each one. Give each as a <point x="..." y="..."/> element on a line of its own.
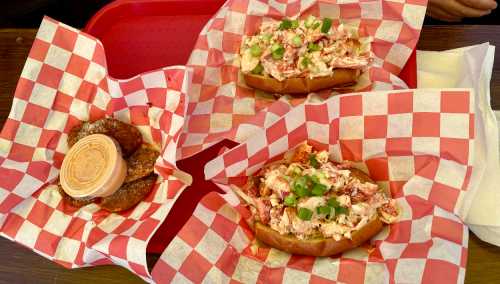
<point x="142" y="35"/>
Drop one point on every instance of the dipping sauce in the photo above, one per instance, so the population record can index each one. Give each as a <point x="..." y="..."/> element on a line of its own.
<point x="93" y="167"/>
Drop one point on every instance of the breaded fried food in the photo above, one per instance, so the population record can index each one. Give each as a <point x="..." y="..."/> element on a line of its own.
<point x="141" y="162"/>
<point x="125" y="134"/>
<point x="75" y="202"/>
<point x="129" y="194"/>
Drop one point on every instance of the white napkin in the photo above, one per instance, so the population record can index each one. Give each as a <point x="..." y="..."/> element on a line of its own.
<point x="471" y="67"/>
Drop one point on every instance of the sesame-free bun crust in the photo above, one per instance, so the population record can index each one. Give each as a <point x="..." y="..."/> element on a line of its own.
<point x="320" y="246"/>
<point x="302" y="85"/>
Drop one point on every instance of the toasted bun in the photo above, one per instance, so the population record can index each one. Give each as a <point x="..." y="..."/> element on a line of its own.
<point x="302" y="85"/>
<point x="320" y="246"/>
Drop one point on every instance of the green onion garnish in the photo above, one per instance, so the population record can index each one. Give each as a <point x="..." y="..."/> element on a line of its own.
<point x="297" y="41"/>
<point x="313" y="47"/>
<point x="326" y="25"/>
<point x="277" y="51"/>
<point x="255" y="50"/>
<point x="305" y="62"/>
<point x="323" y="210"/>
<point x="295" y="24"/>
<point x="341" y="210"/>
<point x="316" y="25"/>
<point x="258" y="69"/>
<point x="290" y="200"/>
<point x="333" y="202"/>
<point x="285" y="24"/>
<point x="312" y="160"/>
<point x="318" y="189"/>
<point x="304" y="214"/>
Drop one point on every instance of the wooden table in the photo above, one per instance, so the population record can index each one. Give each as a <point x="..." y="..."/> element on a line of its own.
<point x="20" y="265"/>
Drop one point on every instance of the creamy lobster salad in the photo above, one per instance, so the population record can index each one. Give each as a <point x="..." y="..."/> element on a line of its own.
<point x="310" y="196"/>
<point x="302" y="48"/>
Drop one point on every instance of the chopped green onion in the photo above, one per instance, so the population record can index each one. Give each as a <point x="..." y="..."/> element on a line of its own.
<point x="309" y="21"/>
<point x="318" y="189"/>
<point x="291" y="200"/>
<point x="258" y="69"/>
<point x="277" y="51"/>
<point x="315" y="179"/>
<point x="267" y="37"/>
<point x="316" y="25"/>
<point x="323" y="210"/>
<point x="285" y="24"/>
<point x="313" y="47"/>
<point x="326" y="25"/>
<point x="333" y="202"/>
<point x="301" y="191"/>
<point x="295" y="24"/>
<point x="255" y="50"/>
<point x="341" y="210"/>
<point x="305" y="62"/>
<point x="297" y="41"/>
<point x="304" y="214"/>
<point x="312" y="160"/>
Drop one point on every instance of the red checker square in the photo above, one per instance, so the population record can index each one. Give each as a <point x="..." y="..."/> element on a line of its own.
<point x="117" y="104"/>
<point x="439" y="271"/>
<point x="12" y="224"/>
<point x="79" y="256"/>
<point x="193" y="231"/>
<point x="369" y="27"/>
<point x="292" y="9"/>
<point x="396" y="188"/>
<point x="351" y="105"/>
<point x="35" y="115"/>
<point x="99" y="57"/>
<point x="47" y="243"/>
<point x="65" y="38"/>
<point x="118" y="246"/>
<point x="162" y="272"/>
<point x="297" y="136"/>
<point x="75" y="229"/>
<point x="426" y="166"/>
<point x="301" y="262"/>
<point x="198" y="73"/>
<point x="379" y="74"/>
<point x="455" y="101"/>
<point x="259" y="157"/>
<point x="350" y="11"/>
<point x="174" y="188"/>
<point x="417" y="250"/>
<point x="398" y="146"/>
<point x="175" y="79"/>
<point x="39" y="170"/>
<point x="157" y="97"/>
<point x="252" y="22"/>
<point x="351" y="271"/>
<point x="394" y="69"/>
<point x="455" y="149"/>
<point x="392" y="11"/>
<point x="77" y="65"/>
<point x="352" y="150"/>
<point x="215" y="58"/>
<point x="471" y="126"/>
<point x="400" y="102"/>
<point x="195" y="267"/>
<point x="426" y="124"/>
<point x="217" y="24"/>
<point x="228" y="260"/>
<point x="408" y="36"/>
<point x="95" y="113"/>
<point x="86" y="91"/>
<point x="39" y="50"/>
<point x="224" y="227"/>
<point x="399" y="232"/>
<point x="63" y="263"/>
<point x="62" y="102"/>
<point x="229" y="74"/>
<point x="419" y="207"/>
<point x="378" y="167"/>
<point x="317" y="113"/>
<point x="21" y="153"/>
<point x="138" y="269"/>
<point x="199" y="123"/>
<point x="131" y="86"/>
<point x="14" y="177"/>
<point x="70" y="123"/>
<point x="318" y="280"/>
<point x="444" y="196"/>
<point x="124" y="225"/>
<point x="223" y="104"/>
<point x="240" y="118"/>
<point x="467" y="178"/>
<point x="239" y="6"/>
<point x="271" y="275"/>
<point x="235" y="155"/>
<point x="49" y="76"/>
<point x="165" y="120"/>
<point x="207" y="92"/>
<point x="375" y="126"/>
<point x="202" y="42"/>
<point x="447" y="229"/>
<point x="49" y="139"/>
<point x="276" y="131"/>
<point x="145" y="229"/>
<point x="213" y="201"/>
<point x="463" y="259"/>
<point x="24" y="88"/>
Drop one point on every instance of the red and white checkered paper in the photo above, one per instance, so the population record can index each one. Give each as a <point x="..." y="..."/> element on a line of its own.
<point x="63" y="83"/>
<point x="416" y="143"/>
<point x="222" y="106"/>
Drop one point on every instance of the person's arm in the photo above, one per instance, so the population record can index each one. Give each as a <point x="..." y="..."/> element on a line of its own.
<point x="456" y="10"/>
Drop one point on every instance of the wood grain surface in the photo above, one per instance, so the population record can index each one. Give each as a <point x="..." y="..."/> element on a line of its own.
<point x="20" y="265"/>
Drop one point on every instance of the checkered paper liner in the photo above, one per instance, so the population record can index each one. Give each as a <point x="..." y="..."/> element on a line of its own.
<point x="63" y="83"/>
<point x="416" y="143"/>
<point x="222" y="106"/>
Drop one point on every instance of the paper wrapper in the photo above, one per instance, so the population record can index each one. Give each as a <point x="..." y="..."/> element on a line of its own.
<point x="63" y="83"/>
<point x="415" y="143"/>
<point x="222" y="106"/>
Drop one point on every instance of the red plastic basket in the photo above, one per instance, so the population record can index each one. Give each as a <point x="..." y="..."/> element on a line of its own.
<point x="142" y="35"/>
